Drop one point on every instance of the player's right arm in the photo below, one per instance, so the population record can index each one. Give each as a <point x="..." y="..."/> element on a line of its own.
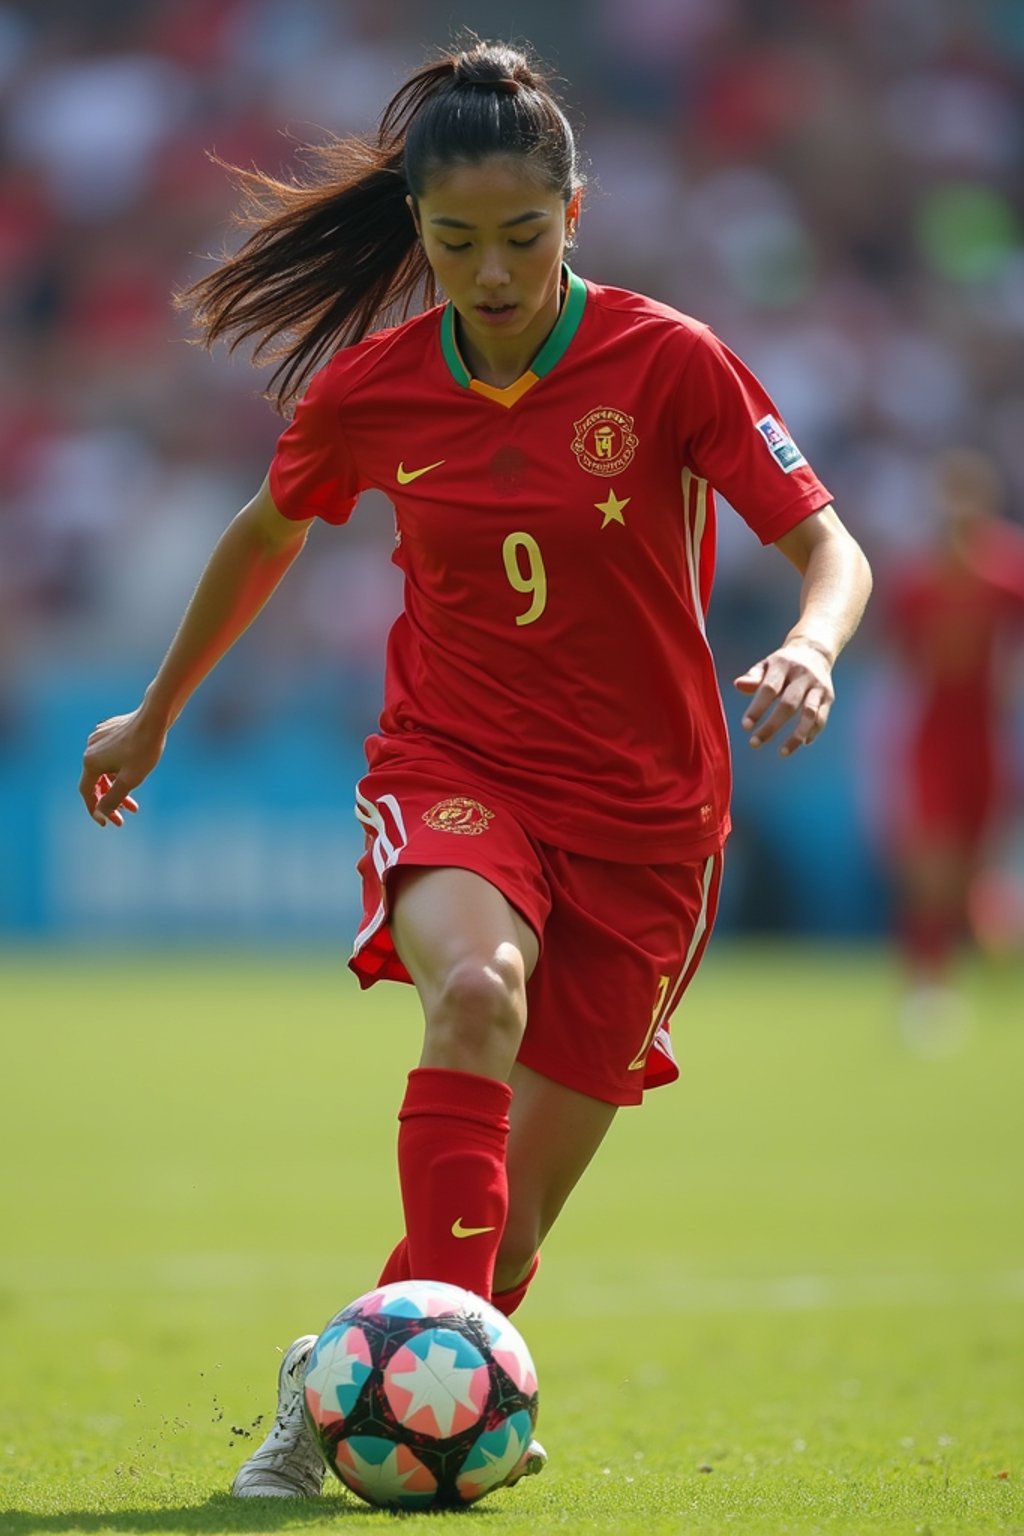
<point x="245" y="567"/>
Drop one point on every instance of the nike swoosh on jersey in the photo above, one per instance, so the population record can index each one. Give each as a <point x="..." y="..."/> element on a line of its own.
<point x="404" y="475"/>
<point x="458" y="1230"/>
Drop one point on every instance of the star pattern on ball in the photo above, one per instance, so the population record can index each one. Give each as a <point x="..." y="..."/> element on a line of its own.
<point x="382" y="1481"/>
<point x="437" y="1383"/>
<point x="613" y="507"/>
<point x="336" y="1368"/>
<point x="495" y="1468"/>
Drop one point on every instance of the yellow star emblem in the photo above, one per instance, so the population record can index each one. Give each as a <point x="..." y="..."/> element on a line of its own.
<point x="612" y="508"/>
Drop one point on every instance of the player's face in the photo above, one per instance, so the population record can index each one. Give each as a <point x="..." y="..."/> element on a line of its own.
<point x="495" y="238"/>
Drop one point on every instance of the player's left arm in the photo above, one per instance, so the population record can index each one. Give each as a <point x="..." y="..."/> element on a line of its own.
<point x="794" y="683"/>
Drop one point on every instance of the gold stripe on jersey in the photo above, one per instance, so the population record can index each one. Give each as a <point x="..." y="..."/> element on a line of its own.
<point x="550" y="354"/>
<point x="695" y="517"/>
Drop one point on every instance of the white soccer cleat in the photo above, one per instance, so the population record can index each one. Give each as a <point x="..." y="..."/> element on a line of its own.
<point x="533" y="1460"/>
<point x="287" y="1465"/>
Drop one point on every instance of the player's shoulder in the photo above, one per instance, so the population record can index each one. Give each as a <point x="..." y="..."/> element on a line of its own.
<point x="634" y="313"/>
<point x="401" y="347"/>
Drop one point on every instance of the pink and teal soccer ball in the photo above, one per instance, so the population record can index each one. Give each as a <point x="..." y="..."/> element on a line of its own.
<point x="421" y="1396"/>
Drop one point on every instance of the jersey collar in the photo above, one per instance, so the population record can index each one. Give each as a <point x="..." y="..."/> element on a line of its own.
<point x="550" y="354"/>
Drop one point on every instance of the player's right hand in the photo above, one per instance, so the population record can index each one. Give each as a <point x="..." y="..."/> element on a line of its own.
<point x="119" y="754"/>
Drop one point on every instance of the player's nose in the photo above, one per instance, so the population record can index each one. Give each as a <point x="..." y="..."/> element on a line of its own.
<point x="492" y="272"/>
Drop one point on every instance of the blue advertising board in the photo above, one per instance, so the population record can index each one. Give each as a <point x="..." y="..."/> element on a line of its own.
<point x="246" y="832"/>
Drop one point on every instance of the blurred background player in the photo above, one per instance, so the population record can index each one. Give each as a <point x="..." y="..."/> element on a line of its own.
<point x="955" y="618"/>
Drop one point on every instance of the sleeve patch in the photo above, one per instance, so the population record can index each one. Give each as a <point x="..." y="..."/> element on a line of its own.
<point x="780" y="445"/>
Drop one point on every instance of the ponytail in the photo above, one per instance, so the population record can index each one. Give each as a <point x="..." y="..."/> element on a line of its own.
<point x="330" y="256"/>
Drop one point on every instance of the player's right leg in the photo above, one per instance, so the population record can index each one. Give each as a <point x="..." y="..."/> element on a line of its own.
<point x="470" y="954"/>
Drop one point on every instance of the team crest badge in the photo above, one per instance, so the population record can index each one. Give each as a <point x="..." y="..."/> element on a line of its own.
<point x="605" y="441"/>
<point x="467" y="817"/>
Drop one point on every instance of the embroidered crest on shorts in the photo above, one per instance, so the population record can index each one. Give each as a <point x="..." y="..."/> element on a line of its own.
<point x="458" y="814"/>
<point x="605" y="441"/>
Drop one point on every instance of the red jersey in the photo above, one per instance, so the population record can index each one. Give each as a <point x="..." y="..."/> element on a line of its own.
<point x="557" y="539"/>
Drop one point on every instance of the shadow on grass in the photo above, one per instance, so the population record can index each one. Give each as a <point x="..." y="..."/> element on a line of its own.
<point x="215" y="1517"/>
<point x="221" y="1513"/>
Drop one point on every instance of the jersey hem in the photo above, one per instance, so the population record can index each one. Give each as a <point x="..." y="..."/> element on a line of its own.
<point x="669" y="844"/>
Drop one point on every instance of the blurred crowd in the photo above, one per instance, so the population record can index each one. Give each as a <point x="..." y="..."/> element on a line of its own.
<point x="836" y="185"/>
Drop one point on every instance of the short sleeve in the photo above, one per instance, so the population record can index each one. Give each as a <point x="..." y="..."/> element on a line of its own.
<point x="312" y="473"/>
<point x="738" y="442"/>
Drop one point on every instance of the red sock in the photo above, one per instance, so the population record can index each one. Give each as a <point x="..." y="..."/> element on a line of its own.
<point x="507" y="1301"/>
<point x="451" y="1163"/>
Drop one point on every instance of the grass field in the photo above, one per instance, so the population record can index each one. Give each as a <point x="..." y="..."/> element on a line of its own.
<point x="790" y="1297"/>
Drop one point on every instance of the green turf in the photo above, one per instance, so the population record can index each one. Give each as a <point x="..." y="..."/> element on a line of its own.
<point x="789" y="1298"/>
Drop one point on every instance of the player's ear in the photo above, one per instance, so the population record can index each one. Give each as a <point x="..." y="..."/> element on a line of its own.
<point x="410" y="203"/>
<point x="572" y="215"/>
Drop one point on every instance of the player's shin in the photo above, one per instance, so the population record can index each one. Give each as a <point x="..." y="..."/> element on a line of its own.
<point x="451" y="1158"/>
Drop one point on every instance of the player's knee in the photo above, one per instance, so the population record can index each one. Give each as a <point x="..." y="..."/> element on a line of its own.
<point x="480" y="1000"/>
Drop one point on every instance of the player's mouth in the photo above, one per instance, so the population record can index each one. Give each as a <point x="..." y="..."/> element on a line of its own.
<point x="495" y="314"/>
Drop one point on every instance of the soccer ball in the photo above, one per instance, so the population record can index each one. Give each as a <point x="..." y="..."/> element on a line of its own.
<point x="420" y="1396"/>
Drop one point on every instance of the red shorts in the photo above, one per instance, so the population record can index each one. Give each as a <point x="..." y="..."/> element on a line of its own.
<point x="619" y="942"/>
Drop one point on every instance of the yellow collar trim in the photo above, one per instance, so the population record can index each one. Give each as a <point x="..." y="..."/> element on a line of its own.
<point x="510" y="393"/>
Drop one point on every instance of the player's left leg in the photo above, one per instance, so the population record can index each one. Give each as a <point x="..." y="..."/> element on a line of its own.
<point x="553" y="1135"/>
<point x="622" y="943"/>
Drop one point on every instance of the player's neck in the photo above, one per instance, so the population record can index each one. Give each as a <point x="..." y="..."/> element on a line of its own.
<point x="500" y="361"/>
<point x="501" y="372"/>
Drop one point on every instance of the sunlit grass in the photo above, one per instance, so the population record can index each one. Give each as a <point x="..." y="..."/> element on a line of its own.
<point x="788" y="1297"/>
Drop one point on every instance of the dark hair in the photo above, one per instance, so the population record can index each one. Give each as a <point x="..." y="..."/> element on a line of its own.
<point x="329" y="257"/>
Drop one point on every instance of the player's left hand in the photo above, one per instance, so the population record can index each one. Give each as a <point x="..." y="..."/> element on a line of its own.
<point x="793" y="683"/>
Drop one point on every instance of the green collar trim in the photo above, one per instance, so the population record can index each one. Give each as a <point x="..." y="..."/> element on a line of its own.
<point x="550" y="354"/>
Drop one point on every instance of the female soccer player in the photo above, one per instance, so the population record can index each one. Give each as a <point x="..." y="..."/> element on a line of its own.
<point x="547" y="795"/>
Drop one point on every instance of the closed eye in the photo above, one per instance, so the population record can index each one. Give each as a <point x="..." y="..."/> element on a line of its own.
<point x="463" y="247"/>
<point x="522" y="244"/>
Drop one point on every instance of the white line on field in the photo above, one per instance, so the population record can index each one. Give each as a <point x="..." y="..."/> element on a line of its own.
<point x="802" y="1293"/>
<point x="587" y="1294"/>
